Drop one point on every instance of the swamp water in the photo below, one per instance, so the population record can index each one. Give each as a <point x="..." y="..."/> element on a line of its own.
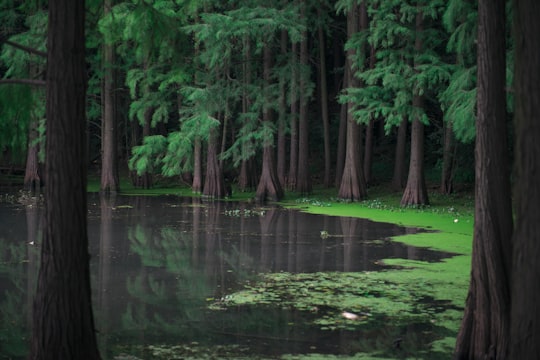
<point x="179" y="278"/>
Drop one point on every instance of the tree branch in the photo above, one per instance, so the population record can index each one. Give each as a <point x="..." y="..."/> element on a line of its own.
<point x="23" y="81"/>
<point x="26" y="48"/>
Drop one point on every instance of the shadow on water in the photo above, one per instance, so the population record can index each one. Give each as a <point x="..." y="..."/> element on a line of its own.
<point x="158" y="262"/>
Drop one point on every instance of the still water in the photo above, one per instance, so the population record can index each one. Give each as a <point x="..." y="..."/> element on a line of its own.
<point x="158" y="262"/>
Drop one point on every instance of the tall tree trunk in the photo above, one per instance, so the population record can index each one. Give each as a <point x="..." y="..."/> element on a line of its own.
<point x="293" y="150"/>
<point x="398" y="179"/>
<point x="484" y="332"/>
<point x="32" y="178"/>
<point x="213" y="181"/>
<point x="196" y="186"/>
<point x="63" y="324"/>
<point x="449" y="148"/>
<point x="109" y="128"/>
<point x="269" y="187"/>
<point x="353" y="185"/>
<point x="324" y="102"/>
<point x="247" y="179"/>
<point x="342" y="134"/>
<point x="281" y="141"/>
<point x="303" y="181"/>
<point x="368" y="149"/>
<point x="415" y="191"/>
<point x="32" y="173"/>
<point x="145" y="180"/>
<point x="525" y="314"/>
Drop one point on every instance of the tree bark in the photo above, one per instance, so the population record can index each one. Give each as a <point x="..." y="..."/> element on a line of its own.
<point x="63" y="324"/>
<point x="368" y="151"/>
<point x="449" y="148"/>
<point x="269" y="187"/>
<point x="197" y="184"/>
<point x="214" y="185"/>
<point x="324" y="102"/>
<point x="398" y="179"/>
<point x="415" y="191"/>
<point x="484" y="332"/>
<point x="109" y="127"/>
<point x="525" y="314"/>
<point x="353" y="185"/>
<point x="293" y="151"/>
<point x="32" y="178"/>
<point x="303" y="181"/>
<point x="342" y="134"/>
<point x="281" y="141"/>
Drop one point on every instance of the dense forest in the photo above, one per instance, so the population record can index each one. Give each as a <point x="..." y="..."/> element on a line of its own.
<point x="269" y="96"/>
<point x="279" y="96"/>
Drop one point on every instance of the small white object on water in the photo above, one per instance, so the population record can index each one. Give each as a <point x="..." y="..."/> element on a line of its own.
<point x="349" y="315"/>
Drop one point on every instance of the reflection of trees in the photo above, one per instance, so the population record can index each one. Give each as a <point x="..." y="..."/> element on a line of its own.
<point x="170" y="291"/>
<point x="104" y="284"/>
<point x="18" y="270"/>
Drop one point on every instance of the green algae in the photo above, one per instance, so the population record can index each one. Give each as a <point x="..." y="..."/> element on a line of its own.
<point x="411" y="292"/>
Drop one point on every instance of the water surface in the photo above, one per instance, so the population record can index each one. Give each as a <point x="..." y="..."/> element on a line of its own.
<point x="158" y="262"/>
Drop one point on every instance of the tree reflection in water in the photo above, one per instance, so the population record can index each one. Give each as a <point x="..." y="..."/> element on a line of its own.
<point x="158" y="262"/>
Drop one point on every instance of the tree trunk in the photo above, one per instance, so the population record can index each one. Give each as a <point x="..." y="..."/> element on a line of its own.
<point x="415" y="191"/>
<point x="293" y="151"/>
<point x="342" y="134"/>
<point x="353" y="185"/>
<point x="368" y="151"/>
<point x="398" y="179"/>
<point x="32" y="178"/>
<point x="484" y="332"/>
<point x="324" y="102"/>
<point x="109" y="128"/>
<point x="269" y="187"/>
<point x="281" y="143"/>
<point x="449" y="148"/>
<point x="303" y="181"/>
<point x="247" y="179"/>
<point x="63" y="324"/>
<point x="525" y="314"/>
<point x="214" y="185"/>
<point x="196" y="186"/>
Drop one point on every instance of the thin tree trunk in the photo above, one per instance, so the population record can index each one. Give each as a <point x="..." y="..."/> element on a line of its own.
<point x="63" y="323"/>
<point x="196" y="186"/>
<point x="293" y="151"/>
<point x="281" y="143"/>
<point x="398" y="179"/>
<point x="32" y="178"/>
<point x="484" y="332"/>
<point x="303" y="181"/>
<point x="109" y="128"/>
<point x="447" y="174"/>
<point x="324" y="102"/>
<point x="368" y="151"/>
<point x="525" y="315"/>
<point x="342" y="134"/>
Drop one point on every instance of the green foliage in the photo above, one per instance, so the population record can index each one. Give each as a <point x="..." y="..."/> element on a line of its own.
<point x="21" y="104"/>
<point x="147" y="157"/>
<point x="402" y="70"/>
